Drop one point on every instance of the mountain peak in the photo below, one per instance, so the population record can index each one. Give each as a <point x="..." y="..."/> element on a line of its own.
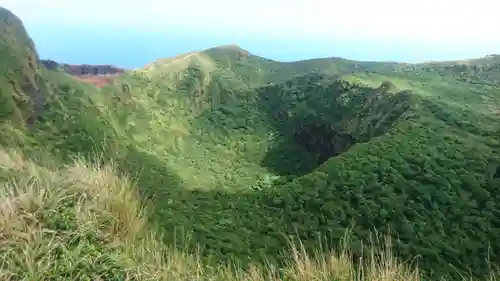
<point x="231" y="50"/>
<point x="234" y="47"/>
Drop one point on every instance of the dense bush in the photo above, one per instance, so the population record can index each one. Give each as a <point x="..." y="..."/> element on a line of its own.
<point x="239" y="152"/>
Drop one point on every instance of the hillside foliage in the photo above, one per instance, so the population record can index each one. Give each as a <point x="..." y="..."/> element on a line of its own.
<point x="235" y="154"/>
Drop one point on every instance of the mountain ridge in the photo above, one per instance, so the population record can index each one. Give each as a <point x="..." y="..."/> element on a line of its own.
<point x="238" y="48"/>
<point x="234" y="53"/>
<point x="239" y="153"/>
<point x="82" y="69"/>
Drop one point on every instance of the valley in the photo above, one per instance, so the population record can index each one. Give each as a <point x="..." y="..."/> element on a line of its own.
<point x="233" y="154"/>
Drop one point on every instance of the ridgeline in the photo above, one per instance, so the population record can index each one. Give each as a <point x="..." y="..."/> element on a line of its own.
<point x="211" y="165"/>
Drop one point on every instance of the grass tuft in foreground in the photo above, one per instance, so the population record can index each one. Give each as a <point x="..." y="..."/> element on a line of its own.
<point x="87" y="223"/>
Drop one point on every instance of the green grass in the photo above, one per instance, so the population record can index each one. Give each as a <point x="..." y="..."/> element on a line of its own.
<point x="239" y="153"/>
<point x="18" y="77"/>
<point x="82" y="222"/>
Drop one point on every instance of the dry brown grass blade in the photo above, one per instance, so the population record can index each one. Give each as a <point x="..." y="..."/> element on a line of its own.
<point x="107" y="207"/>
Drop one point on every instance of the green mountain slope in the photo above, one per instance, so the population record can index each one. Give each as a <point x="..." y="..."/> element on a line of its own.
<point x="239" y="151"/>
<point x="404" y="159"/>
<point x="407" y="180"/>
<point x="22" y="88"/>
<point x="319" y="152"/>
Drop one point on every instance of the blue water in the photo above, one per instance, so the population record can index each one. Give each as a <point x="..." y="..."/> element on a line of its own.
<point x="135" y="48"/>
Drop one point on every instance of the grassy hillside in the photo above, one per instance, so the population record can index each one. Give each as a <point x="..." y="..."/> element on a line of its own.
<point x="239" y="153"/>
<point x="20" y="95"/>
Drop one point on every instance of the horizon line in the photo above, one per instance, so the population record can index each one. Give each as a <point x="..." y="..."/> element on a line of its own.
<point x="458" y="60"/>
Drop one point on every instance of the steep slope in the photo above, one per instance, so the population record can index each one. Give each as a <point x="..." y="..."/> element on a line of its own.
<point x="22" y="89"/>
<point x="357" y="144"/>
<point x="319" y="151"/>
<point x="205" y="103"/>
<point x="407" y="181"/>
<point x="239" y="151"/>
<point x="327" y="116"/>
<point x="393" y="159"/>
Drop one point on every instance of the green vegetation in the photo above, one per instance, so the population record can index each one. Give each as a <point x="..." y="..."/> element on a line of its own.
<point x="20" y="83"/>
<point x="239" y="153"/>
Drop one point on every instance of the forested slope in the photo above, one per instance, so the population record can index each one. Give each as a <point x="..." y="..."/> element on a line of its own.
<point x="239" y="152"/>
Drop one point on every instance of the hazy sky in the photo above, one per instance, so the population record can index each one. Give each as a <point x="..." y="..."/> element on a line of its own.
<point x="133" y="32"/>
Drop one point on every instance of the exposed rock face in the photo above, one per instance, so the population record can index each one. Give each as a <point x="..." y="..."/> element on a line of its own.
<point x="83" y="69"/>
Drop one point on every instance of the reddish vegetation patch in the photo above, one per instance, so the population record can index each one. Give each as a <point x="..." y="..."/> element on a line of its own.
<point x="98" y="75"/>
<point x="98" y="80"/>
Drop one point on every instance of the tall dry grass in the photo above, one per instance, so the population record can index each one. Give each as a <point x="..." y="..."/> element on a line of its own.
<point x="86" y="223"/>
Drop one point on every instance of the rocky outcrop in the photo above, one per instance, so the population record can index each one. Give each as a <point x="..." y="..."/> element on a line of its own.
<point x="82" y="69"/>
